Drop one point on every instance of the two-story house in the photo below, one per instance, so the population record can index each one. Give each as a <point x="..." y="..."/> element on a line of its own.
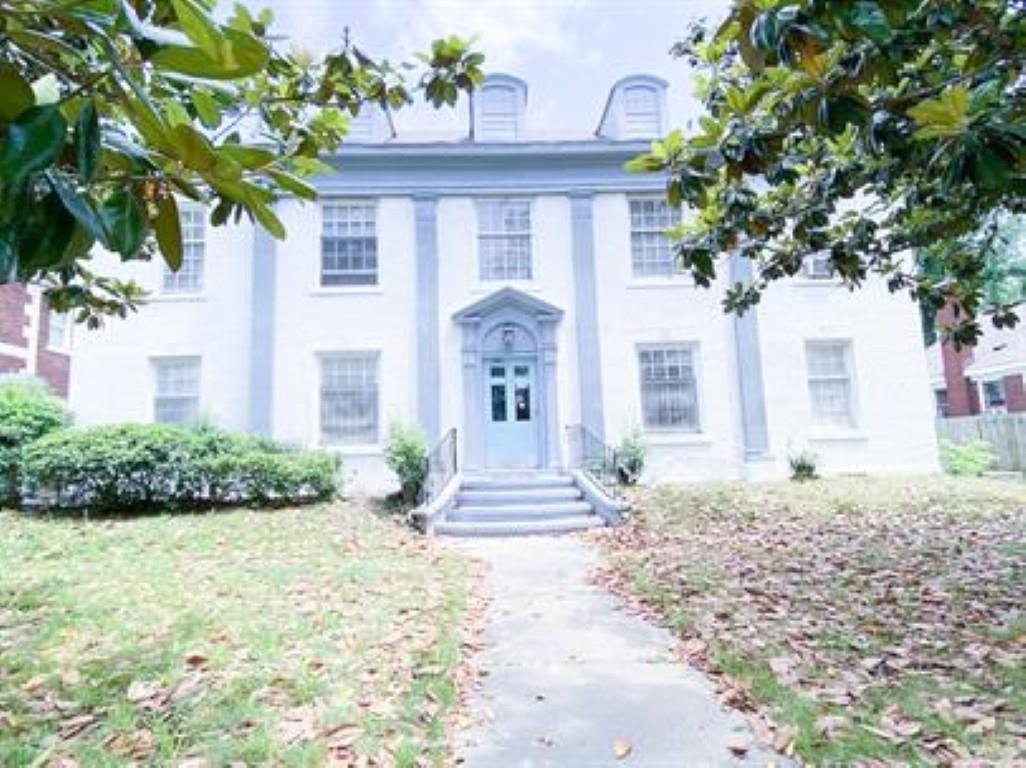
<point x="510" y="288"/>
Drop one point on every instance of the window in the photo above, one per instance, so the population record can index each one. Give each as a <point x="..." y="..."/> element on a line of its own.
<point x="651" y="250"/>
<point x="641" y="112"/>
<point x="58" y="331"/>
<point x="504" y="239"/>
<point x="830" y="383"/>
<point x="349" y="399"/>
<point x="178" y="390"/>
<point x="498" y="113"/>
<point x="189" y="277"/>
<point x="349" y="243"/>
<point x="994" y="395"/>
<point x="818" y="266"/>
<point x="669" y="391"/>
<point x="940" y="397"/>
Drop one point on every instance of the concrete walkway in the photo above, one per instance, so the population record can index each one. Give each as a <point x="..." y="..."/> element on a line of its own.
<point x="569" y="676"/>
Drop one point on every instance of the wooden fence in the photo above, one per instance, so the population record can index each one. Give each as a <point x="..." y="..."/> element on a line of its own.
<point x="1006" y="432"/>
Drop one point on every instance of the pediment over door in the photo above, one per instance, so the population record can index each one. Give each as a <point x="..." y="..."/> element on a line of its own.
<point x="505" y="300"/>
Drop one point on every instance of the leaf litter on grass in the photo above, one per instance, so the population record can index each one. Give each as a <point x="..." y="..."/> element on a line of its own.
<point x="856" y="619"/>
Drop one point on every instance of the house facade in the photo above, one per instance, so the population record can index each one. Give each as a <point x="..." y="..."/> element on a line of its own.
<point x="518" y="291"/>
<point x="34" y="341"/>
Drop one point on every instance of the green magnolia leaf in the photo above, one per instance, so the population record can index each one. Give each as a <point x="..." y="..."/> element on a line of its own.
<point x="15" y="93"/>
<point x="87" y="142"/>
<point x="250" y="158"/>
<point x="78" y="206"/>
<point x="33" y="141"/>
<point x="47" y="233"/>
<point x="193" y="148"/>
<point x="124" y="221"/>
<point x="242" y="56"/>
<point x="944" y="116"/>
<point x="267" y="218"/>
<point x="168" y="227"/>
<point x="868" y="17"/>
<point x="199" y="28"/>
<point x="293" y="184"/>
<point x="206" y="108"/>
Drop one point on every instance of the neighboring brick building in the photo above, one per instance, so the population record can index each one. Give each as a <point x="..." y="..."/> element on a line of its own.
<point x="33" y="341"/>
<point x="984" y="379"/>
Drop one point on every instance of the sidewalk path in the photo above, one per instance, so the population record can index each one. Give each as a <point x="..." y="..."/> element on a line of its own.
<point x="570" y="679"/>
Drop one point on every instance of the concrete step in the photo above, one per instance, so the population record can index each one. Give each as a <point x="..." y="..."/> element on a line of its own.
<point x="537" y="495"/>
<point x="515" y="481"/>
<point x="564" y="524"/>
<point x="520" y="512"/>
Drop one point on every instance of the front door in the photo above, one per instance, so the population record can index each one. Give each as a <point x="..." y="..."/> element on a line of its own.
<point x="511" y="421"/>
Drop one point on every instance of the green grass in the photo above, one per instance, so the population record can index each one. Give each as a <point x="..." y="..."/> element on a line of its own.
<point x="823" y="578"/>
<point x="285" y="634"/>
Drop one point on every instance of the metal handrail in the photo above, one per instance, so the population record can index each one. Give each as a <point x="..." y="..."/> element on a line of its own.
<point x="588" y="453"/>
<point x="440" y="467"/>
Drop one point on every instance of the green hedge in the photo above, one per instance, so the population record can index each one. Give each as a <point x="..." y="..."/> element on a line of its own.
<point x="27" y="411"/>
<point x="156" y="467"/>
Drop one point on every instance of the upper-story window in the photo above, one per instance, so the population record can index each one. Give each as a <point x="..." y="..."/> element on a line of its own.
<point x="818" y="266"/>
<point x="499" y="113"/>
<point x="189" y="276"/>
<point x="349" y="243"/>
<point x="641" y="111"/>
<point x="504" y="239"/>
<point x="651" y="250"/>
<point x="177" y="396"/>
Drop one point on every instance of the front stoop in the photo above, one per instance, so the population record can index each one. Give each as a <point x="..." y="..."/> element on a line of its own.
<point x="517" y="504"/>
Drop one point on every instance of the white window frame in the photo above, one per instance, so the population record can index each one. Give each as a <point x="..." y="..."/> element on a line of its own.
<point x="691" y="349"/>
<point x="514" y="268"/>
<point x="649" y="237"/>
<point x="182" y="396"/>
<point x="349" y="228"/>
<point x="641" y="121"/>
<point x="1001" y="407"/>
<point x="339" y="438"/>
<point x="816" y="419"/>
<point x="63" y="345"/>
<point x="189" y="278"/>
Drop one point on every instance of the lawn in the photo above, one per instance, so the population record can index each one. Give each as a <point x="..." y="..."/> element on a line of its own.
<point x="856" y="619"/>
<point x="310" y="636"/>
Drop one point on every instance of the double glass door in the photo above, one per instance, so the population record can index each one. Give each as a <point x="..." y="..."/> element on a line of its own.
<point x="512" y="413"/>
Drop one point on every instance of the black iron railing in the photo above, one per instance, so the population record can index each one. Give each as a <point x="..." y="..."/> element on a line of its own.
<point x="441" y="467"/>
<point x="589" y="454"/>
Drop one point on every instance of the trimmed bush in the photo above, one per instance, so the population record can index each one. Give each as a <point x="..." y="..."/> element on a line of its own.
<point x="406" y="454"/>
<point x="157" y="467"/>
<point x="27" y="411"/>
<point x="971" y="458"/>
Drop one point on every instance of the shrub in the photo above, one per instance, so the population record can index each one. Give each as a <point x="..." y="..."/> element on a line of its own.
<point x="27" y="411"/>
<point x="804" y="466"/>
<point x="406" y="454"/>
<point x="970" y="458"/>
<point x="631" y="458"/>
<point x="156" y="467"/>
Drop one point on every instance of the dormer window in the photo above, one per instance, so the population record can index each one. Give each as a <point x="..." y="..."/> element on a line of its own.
<point x="499" y="109"/>
<point x="369" y="127"/>
<point x="636" y="109"/>
<point x="640" y="111"/>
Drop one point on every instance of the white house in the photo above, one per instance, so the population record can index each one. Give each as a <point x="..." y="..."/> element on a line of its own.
<point x="511" y="289"/>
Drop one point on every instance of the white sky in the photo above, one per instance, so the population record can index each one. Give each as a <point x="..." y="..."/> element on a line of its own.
<point x="569" y="51"/>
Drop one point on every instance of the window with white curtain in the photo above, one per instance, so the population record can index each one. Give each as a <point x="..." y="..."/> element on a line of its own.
<point x="651" y="250"/>
<point x="58" y="331"/>
<point x="349" y="242"/>
<point x="641" y="117"/>
<point x="177" y="397"/>
<point x="189" y="276"/>
<point x="669" y="387"/>
<point x="349" y="398"/>
<point x="831" y="386"/>
<point x="504" y="239"/>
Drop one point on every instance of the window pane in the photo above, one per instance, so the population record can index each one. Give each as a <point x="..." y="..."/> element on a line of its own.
<point x="349" y="399"/>
<point x="349" y="245"/>
<point x="522" y="400"/>
<point x="499" y="402"/>
<point x="504" y="239"/>
<point x="669" y="392"/>
<point x="651" y="250"/>
<point x="177" y="397"/>
<point x="830" y="388"/>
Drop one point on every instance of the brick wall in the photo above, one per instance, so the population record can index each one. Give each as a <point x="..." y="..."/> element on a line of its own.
<point x="1015" y="393"/>
<point x="963" y="399"/>
<point x="20" y="310"/>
